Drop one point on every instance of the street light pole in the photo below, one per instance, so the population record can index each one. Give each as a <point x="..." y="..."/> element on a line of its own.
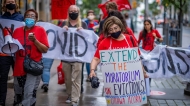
<point x="146" y="9"/>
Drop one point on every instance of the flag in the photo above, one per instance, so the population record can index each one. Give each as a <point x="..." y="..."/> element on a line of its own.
<point x="59" y="8"/>
<point x="122" y="5"/>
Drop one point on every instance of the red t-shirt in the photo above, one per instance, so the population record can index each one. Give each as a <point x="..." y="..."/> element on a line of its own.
<point x="129" y="32"/>
<point x="148" y="42"/>
<point x="105" y="44"/>
<point x="31" y="49"/>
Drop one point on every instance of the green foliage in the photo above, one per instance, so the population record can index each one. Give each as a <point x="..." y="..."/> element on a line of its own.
<point x="90" y="5"/>
<point x="182" y="5"/>
<point x="153" y="8"/>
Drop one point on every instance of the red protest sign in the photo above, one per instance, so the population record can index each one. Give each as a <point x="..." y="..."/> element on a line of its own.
<point x="59" y="8"/>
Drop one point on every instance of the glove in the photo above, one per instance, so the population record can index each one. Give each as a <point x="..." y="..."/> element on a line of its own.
<point x="94" y="82"/>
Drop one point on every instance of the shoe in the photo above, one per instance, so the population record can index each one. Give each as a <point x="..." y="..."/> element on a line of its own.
<point x="45" y="87"/>
<point x="42" y="86"/>
<point x="88" y="79"/>
<point x="74" y="104"/>
<point x="68" y="99"/>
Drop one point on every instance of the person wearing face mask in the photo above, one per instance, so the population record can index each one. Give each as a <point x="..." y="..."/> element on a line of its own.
<point x="73" y="70"/>
<point x="90" y="23"/>
<point x="34" y="40"/>
<point x="110" y="6"/>
<point x="115" y="38"/>
<point x="11" y="11"/>
<point x="147" y="36"/>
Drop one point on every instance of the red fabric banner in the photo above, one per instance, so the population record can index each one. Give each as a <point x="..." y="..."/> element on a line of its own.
<point x="59" y="8"/>
<point x="122" y="5"/>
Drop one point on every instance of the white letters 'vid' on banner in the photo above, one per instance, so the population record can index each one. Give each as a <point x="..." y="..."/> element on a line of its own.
<point x="71" y="45"/>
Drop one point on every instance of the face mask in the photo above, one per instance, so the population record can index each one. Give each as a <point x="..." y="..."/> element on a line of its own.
<point x="11" y="6"/>
<point x="29" y="22"/>
<point x="116" y="34"/>
<point x="73" y="16"/>
<point x="90" y="17"/>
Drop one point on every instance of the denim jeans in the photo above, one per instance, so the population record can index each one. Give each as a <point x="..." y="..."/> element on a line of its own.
<point x="46" y="72"/>
<point x="88" y="68"/>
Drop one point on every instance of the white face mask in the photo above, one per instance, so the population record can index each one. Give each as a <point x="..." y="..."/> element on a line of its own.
<point x="91" y="17"/>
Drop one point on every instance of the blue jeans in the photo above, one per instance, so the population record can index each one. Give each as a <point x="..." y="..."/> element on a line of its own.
<point x="88" y="68"/>
<point x="46" y="72"/>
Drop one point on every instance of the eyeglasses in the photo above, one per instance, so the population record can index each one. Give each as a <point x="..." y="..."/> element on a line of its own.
<point x="30" y="16"/>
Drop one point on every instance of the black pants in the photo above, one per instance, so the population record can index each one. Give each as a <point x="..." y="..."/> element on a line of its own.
<point x="5" y="63"/>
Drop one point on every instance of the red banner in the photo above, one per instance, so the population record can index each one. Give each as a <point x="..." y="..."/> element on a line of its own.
<point x="122" y="5"/>
<point x="59" y="8"/>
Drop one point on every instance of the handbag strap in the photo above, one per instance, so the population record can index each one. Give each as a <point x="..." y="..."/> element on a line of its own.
<point x="25" y="41"/>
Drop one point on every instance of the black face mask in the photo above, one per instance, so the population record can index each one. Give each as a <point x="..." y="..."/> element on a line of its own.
<point x="116" y="34"/>
<point x="11" y="6"/>
<point x="73" y="16"/>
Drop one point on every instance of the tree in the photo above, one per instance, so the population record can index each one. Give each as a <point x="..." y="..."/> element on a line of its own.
<point x="179" y="4"/>
<point x="90" y="5"/>
<point x="153" y="8"/>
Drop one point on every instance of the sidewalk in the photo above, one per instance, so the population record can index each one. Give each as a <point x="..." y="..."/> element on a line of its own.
<point x="56" y="95"/>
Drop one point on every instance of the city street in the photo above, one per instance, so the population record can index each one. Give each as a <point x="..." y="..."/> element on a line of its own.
<point x="57" y="96"/>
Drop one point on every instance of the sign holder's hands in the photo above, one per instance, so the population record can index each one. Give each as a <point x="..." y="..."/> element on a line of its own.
<point x="92" y="73"/>
<point x="79" y="28"/>
<point x="66" y="27"/>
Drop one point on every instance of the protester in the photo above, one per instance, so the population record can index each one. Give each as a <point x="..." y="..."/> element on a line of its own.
<point x="120" y="16"/>
<point x="90" y="23"/>
<point x="173" y="34"/>
<point x="115" y="38"/>
<point x="73" y="70"/>
<point x="46" y="73"/>
<point x="148" y="35"/>
<point x="11" y="11"/>
<point x="129" y="21"/>
<point x="110" y="6"/>
<point x="35" y="45"/>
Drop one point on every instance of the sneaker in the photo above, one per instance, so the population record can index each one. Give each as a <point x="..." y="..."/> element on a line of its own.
<point x="88" y="79"/>
<point x="68" y="99"/>
<point x="45" y="87"/>
<point x="74" y="104"/>
<point x="42" y="86"/>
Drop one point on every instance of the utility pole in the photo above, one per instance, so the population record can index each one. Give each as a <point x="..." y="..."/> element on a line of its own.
<point x="146" y="9"/>
<point x="1" y="7"/>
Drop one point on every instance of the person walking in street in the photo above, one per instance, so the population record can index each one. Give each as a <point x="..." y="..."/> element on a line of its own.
<point x="46" y="73"/>
<point x="90" y="23"/>
<point x="148" y="36"/>
<point x="73" y="70"/>
<point x="115" y="38"/>
<point x="120" y="16"/>
<point x="110" y="6"/>
<point x="11" y="11"/>
<point x="129" y="21"/>
<point x="34" y="40"/>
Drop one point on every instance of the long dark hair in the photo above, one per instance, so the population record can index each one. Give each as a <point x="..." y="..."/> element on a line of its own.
<point x="144" y="33"/>
<point x="117" y="14"/>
